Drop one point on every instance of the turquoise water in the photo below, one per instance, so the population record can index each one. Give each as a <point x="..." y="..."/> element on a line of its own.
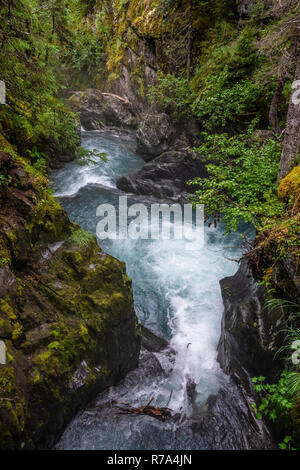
<point x="176" y="292"/>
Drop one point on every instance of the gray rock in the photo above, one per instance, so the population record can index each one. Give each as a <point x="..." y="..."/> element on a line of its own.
<point x="38" y="337"/>
<point x="166" y="176"/>
<point x="250" y="333"/>
<point x="153" y="341"/>
<point x="227" y="421"/>
<point x="286" y="276"/>
<point x="98" y="110"/>
<point x="7" y="281"/>
<point x="80" y="377"/>
<point x="154" y="135"/>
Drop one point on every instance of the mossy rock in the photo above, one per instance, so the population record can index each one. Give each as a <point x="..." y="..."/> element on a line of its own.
<point x="290" y="185"/>
<point x="66" y="314"/>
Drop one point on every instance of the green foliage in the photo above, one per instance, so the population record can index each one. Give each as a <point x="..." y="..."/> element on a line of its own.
<point x="39" y="160"/>
<point x="277" y="403"/>
<point x="53" y="345"/>
<point x="280" y="400"/>
<point x="86" y="6"/>
<point x="223" y="101"/>
<point x="81" y="237"/>
<point x="173" y="94"/>
<point x="225" y="83"/>
<point x="286" y="444"/>
<point x="42" y="45"/>
<point x="4" y="180"/>
<point x="292" y="336"/>
<point x="86" y="157"/>
<point x="83" y="55"/>
<point x="224" y="87"/>
<point x="241" y="182"/>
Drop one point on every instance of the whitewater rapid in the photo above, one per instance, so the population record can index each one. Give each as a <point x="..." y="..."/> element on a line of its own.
<point x="176" y="292"/>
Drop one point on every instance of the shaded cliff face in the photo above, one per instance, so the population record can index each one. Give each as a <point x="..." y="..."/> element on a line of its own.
<point x="66" y="313"/>
<point x="141" y="38"/>
<point x="250" y="333"/>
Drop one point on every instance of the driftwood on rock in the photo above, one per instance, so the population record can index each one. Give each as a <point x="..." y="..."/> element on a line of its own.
<point x="161" y="414"/>
<point x="124" y="100"/>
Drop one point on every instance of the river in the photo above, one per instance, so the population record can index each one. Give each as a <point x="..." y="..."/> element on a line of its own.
<point x="176" y="292"/>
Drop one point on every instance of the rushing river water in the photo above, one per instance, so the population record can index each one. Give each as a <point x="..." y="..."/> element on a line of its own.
<point x="176" y="292"/>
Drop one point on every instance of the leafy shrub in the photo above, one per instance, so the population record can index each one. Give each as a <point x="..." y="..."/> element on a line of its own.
<point x="277" y="401"/>
<point x="173" y="94"/>
<point x="280" y="401"/>
<point x="225" y="81"/>
<point x="42" y="47"/>
<point x="39" y="160"/>
<point x="222" y="101"/>
<point x="81" y="237"/>
<point x="241" y="182"/>
<point x="277" y="404"/>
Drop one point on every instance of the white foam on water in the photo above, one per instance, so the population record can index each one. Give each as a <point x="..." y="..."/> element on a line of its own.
<point x="176" y="291"/>
<point x="185" y="285"/>
<point x="69" y="180"/>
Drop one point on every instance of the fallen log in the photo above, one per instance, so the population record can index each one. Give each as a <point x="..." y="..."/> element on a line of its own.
<point x="124" y="100"/>
<point x="161" y="414"/>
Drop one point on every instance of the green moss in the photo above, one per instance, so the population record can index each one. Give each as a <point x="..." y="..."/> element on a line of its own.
<point x="290" y="185"/>
<point x="6" y="308"/>
<point x="81" y="237"/>
<point x="8" y="319"/>
<point x="146" y="17"/>
<point x="53" y="345"/>
<point x="51" y="321"/>
<point x="7" y="380"/>
<point x="49" y="216"/>
<point x="17" y="331"/>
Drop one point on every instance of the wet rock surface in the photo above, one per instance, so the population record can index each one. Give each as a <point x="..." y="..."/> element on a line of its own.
<point x="98" y="110"/>
<point x="66" y="315"/>
<point x="226" y="421"/>
<point x="166" y="176"/>
<point x="152" y="340"/>
<point x="250" y="332"/>
<point x="286" y="277"/>
<point x="154" y="135"/>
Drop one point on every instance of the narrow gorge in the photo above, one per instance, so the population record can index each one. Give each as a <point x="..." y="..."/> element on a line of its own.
<point x="163" y="103"/>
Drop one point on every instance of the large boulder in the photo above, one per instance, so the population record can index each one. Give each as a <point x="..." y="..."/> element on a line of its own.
<point x="166" y="176"/>
<point x="98" y="110"/>
<point x="154" y="135"/>
<point x="250" y="332"/>
<point x="153" y="341"/>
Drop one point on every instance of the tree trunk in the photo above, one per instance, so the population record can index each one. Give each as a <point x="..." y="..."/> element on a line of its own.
<point x="273" y="113"/>
<point x="189" y="45"/>
<point x="291" y="144"/>
<point x="285" y="75"/>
